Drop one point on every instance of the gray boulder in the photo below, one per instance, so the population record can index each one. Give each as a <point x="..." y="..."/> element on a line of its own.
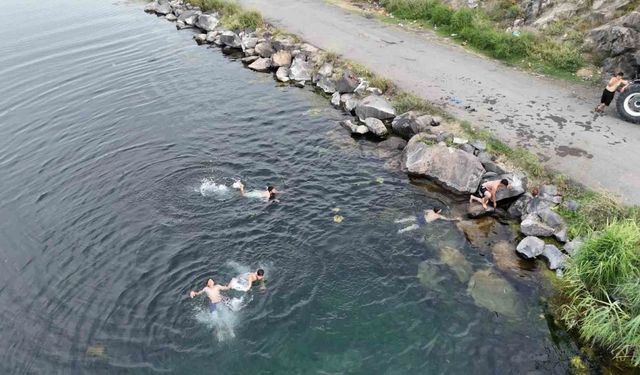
<point x="548" y="190"/>
<point x="158" y="7"/>
<point x="326" y="85"/>
<point x="376" y="127"/>
<point x="283" y="43"/>
<point x="555" y="258"/>
<point x="531" y="225"/>
<point x="335" y="99"/>
<point x="230" y="39"/>
<point x="551" y="218"/>
<point x="537" y="204"/>
<point x="281" y="58"/>
<point x="410" y="123"/>
<point x="573" y="246"/>
<point x="282" y="74"/>
<point x="376" y="107"/>
<point x="326" y="70"/>
<point x="248" y="42"/>
<point x="200" y="38"/>
<point x="189" y="17"/>
<point x="476" y="211"/>
<point x="300" y="69"/>
<point x="349" y="102"/>
<point x="264" y="49"/>
<point x="468" y="148"/>
<point x="519" y="207"/>
<point x="613" y="40"/>
<point x="393" y="143"/>
<point x="249" y="59"/>
<point x="517" y="186"/>
<point x="571" y="205"/>
<point x="454" y="169"/>
<point x="207" y="22"/>
<point x="261" y="65"/>
<point x="171" y="17"/>
<point x="353" y="128"/>
<point x="211" y="36"/>
<point x="530" y="247"/>
<point x="561" y="235"/>
<point x="347" y="83"/>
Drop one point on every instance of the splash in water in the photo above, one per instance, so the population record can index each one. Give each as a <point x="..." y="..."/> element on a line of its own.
<point x="208" y="188"/>
<point x="224" y="320"/>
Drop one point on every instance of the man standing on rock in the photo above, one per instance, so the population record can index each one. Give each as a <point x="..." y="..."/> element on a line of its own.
<point x="489" y="190"/>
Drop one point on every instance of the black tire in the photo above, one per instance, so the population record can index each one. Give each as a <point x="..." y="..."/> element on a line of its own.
<point x="628" y="104"/>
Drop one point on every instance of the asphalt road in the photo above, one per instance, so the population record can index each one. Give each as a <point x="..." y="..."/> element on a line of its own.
<point x="551" y="118"/>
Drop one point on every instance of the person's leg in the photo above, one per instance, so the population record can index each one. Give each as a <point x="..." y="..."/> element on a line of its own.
<point x="486" y="198"/>
<point x="409" y="228"/>
<point x="473" y="198"/>
<point x="405" y="220"/>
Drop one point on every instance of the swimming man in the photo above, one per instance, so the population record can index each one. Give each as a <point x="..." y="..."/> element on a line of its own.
<point x="213" y="292"/>
<point x="269" y="194"/>
<point x="420" y="220"/>
<point x="245" y="282"/>
<point x="488" y="191"/>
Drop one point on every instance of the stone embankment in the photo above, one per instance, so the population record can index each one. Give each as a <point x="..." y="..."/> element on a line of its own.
<point x="428" y="145"/>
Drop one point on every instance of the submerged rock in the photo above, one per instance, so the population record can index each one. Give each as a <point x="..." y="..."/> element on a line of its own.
<point x="457" y="262"/>
<point x="505" y="257"/>
<point x="493" y="293"/>
<point x="393" y="143"/>
<point x="431" y="276"/>
<point x="530" y="247"/>
<point x="376" y="107"/>
<point x="452" y="168"/>
<point x="376" y="127"/>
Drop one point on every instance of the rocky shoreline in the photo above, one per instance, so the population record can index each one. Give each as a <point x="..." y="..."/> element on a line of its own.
<point x="428" y="145"/>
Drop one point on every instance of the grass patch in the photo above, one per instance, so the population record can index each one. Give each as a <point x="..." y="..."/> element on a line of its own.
<point x="233" y="16"/>
<point x="405" y="102"/>
<point x="602" y="283"/>
<point x="476" y="28"/>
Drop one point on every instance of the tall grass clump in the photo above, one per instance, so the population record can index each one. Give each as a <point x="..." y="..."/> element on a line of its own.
<point x="602" y="283"/>
<point x="478" y="29"/>
<point x="233" y="16"/>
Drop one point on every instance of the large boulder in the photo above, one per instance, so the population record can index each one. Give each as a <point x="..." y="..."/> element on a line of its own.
<point x="454" y="169"/>
<point x="551" y="218"/>
<point x="248" y="42"/>
<point x="517" y="185"/>
<point x="349" y="102"/>
<point x="494" y="293"/>
<point x="326" y="85"/>
<point x="326" y="70"/>
<point x="555" y="258"/>
<point x="353" y="128"/>
<point x="393" y="143"/>
<point x="281" y="58"/>
<point x="264" y="49"/>
<point x="347" y="83"/>
<point x="301" y="68"/>
<point x="207" y="22"/>
<point x="613" y="40"/>
<point x="376" y="107"/>
<point x="376" y="127"/>
<point x="410" y="123"/>
<point x="282" y="74"/>
<point x="281" y="43"/>
<point x="532" y="225"/>
<point x="519" y="207"/>
<point x="456" y="261"/>
<point x="230" y="39"/>
<point x="530" y="247"/>
<point x="261" y="65"/>
<point x="189" y="17"/>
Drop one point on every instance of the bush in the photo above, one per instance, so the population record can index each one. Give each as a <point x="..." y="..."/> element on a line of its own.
<point x="441" y="15"/>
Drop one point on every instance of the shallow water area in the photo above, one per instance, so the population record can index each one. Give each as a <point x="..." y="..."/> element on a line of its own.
<point x="120" y="141"/>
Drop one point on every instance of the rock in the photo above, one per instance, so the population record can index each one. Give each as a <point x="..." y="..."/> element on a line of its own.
<point x="505" y="257"/>
<point x="477" y="232"/>
<point x="571" y="205"/>
<point x="376" y="127"/>
<point x="456" y="262"/>
<point x="249" y="43"/>
<point x="551" y="218"/>
<point x="491" y="166"/>
<point x="530" y="247"/>
<point x="362" y="88"/>
<point x="189" y="17"/>
<point x="347" y="83"/>
<point x="555" y="258"/>
<point x="261" y="65"/>
<point x="211" y="36"/>
<point x="264" y="49"/>
<point x="200" y="38"/>
<point x="158" y="7"/>
<point x="468" y="148"/>
<point x="376" y="107"/>
<point x="230" y="39"/>
<point x="431" y="276"/>
<point x="171" y="17"/>
<point x="531" y="225"/>
<point x="300" y="84"/>
<point x="353" y="128"/>
<point x="348" y="102"/>
<point x="326" y="70"/>
<point x="326" y="85"/>
<point x="300" y="69"/>
<point x="374" y="91"/>
<point x="393" y="143"/>
<point x="308" y="48"/>
<point x="479" y="145"/>
<point x="612" y="40"/>
<point x="494" y="293"/>
<point x="561" y="235"/>
<point x="410" y="123"/>
<point x="207" y="22"/>
<point x="454" y="169"/>
<point x="517" y="186"/>
<point x="181" y="25"/>
<point x="476" y="211"/>
<point x="537" y="204"/>
<point x="548" y="190"/>
<point x="361" y="129"/>
<point x="281" y="58"/>
<point x="335" y="99"/>
<point x="282" y="74"/>
<point x="561" y="10"/>
<point x="459" y="141"/>
<point x="283" y="43"/>
<point x="249" y="59"/>
<point x="585" y="74"/>
<point x="573" y="246"/>
<point x="519" y="207"/>
<point x="235" y="52"/>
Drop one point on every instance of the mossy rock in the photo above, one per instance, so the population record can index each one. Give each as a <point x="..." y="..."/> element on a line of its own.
<point x="494" y="293"/>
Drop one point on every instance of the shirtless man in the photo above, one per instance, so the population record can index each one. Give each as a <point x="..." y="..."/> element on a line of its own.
<point x="270" y="193"/>
<point x="488" y="191"/>
<point x="429" y="216"/>
<point x="245" y="281"/>
<point x="610" y="91"/>
<point x="213" y="292"/>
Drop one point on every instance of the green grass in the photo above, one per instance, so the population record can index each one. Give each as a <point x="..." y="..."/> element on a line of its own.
<point x="233" y="16"/>
<point x="404" y="102"/>
<point x="476" y="28"/>
<point x="602" y="285"/>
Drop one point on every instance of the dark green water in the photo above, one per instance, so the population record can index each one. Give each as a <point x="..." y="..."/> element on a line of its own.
<point x="114" y="128"/>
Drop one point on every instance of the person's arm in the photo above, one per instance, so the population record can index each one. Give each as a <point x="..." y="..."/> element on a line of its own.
<point x="195" y="294"/>
<point x="626" y="84"/>
<point x="225" y="287"/>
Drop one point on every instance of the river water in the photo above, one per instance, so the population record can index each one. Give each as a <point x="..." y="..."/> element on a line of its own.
<point x="116" y="134"/>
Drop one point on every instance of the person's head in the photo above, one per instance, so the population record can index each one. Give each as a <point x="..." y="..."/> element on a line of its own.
<point x="620" y="75"/>
<point x="272" y="192"/>
<point x="437" y="209"/>
<point x="210" y="283"/>
<point x="504" y="182"/>
<point x="260" y="273"/>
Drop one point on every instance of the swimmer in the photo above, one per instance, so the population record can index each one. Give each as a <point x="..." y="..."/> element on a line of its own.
<point x="213" y="292"/>
<point x="244" y="282"/>
<point x="269" y="193"/>
<point x="420" y="220"/>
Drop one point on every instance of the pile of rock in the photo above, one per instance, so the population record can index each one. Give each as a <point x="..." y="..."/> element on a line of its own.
<point x="618" y="44"/>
